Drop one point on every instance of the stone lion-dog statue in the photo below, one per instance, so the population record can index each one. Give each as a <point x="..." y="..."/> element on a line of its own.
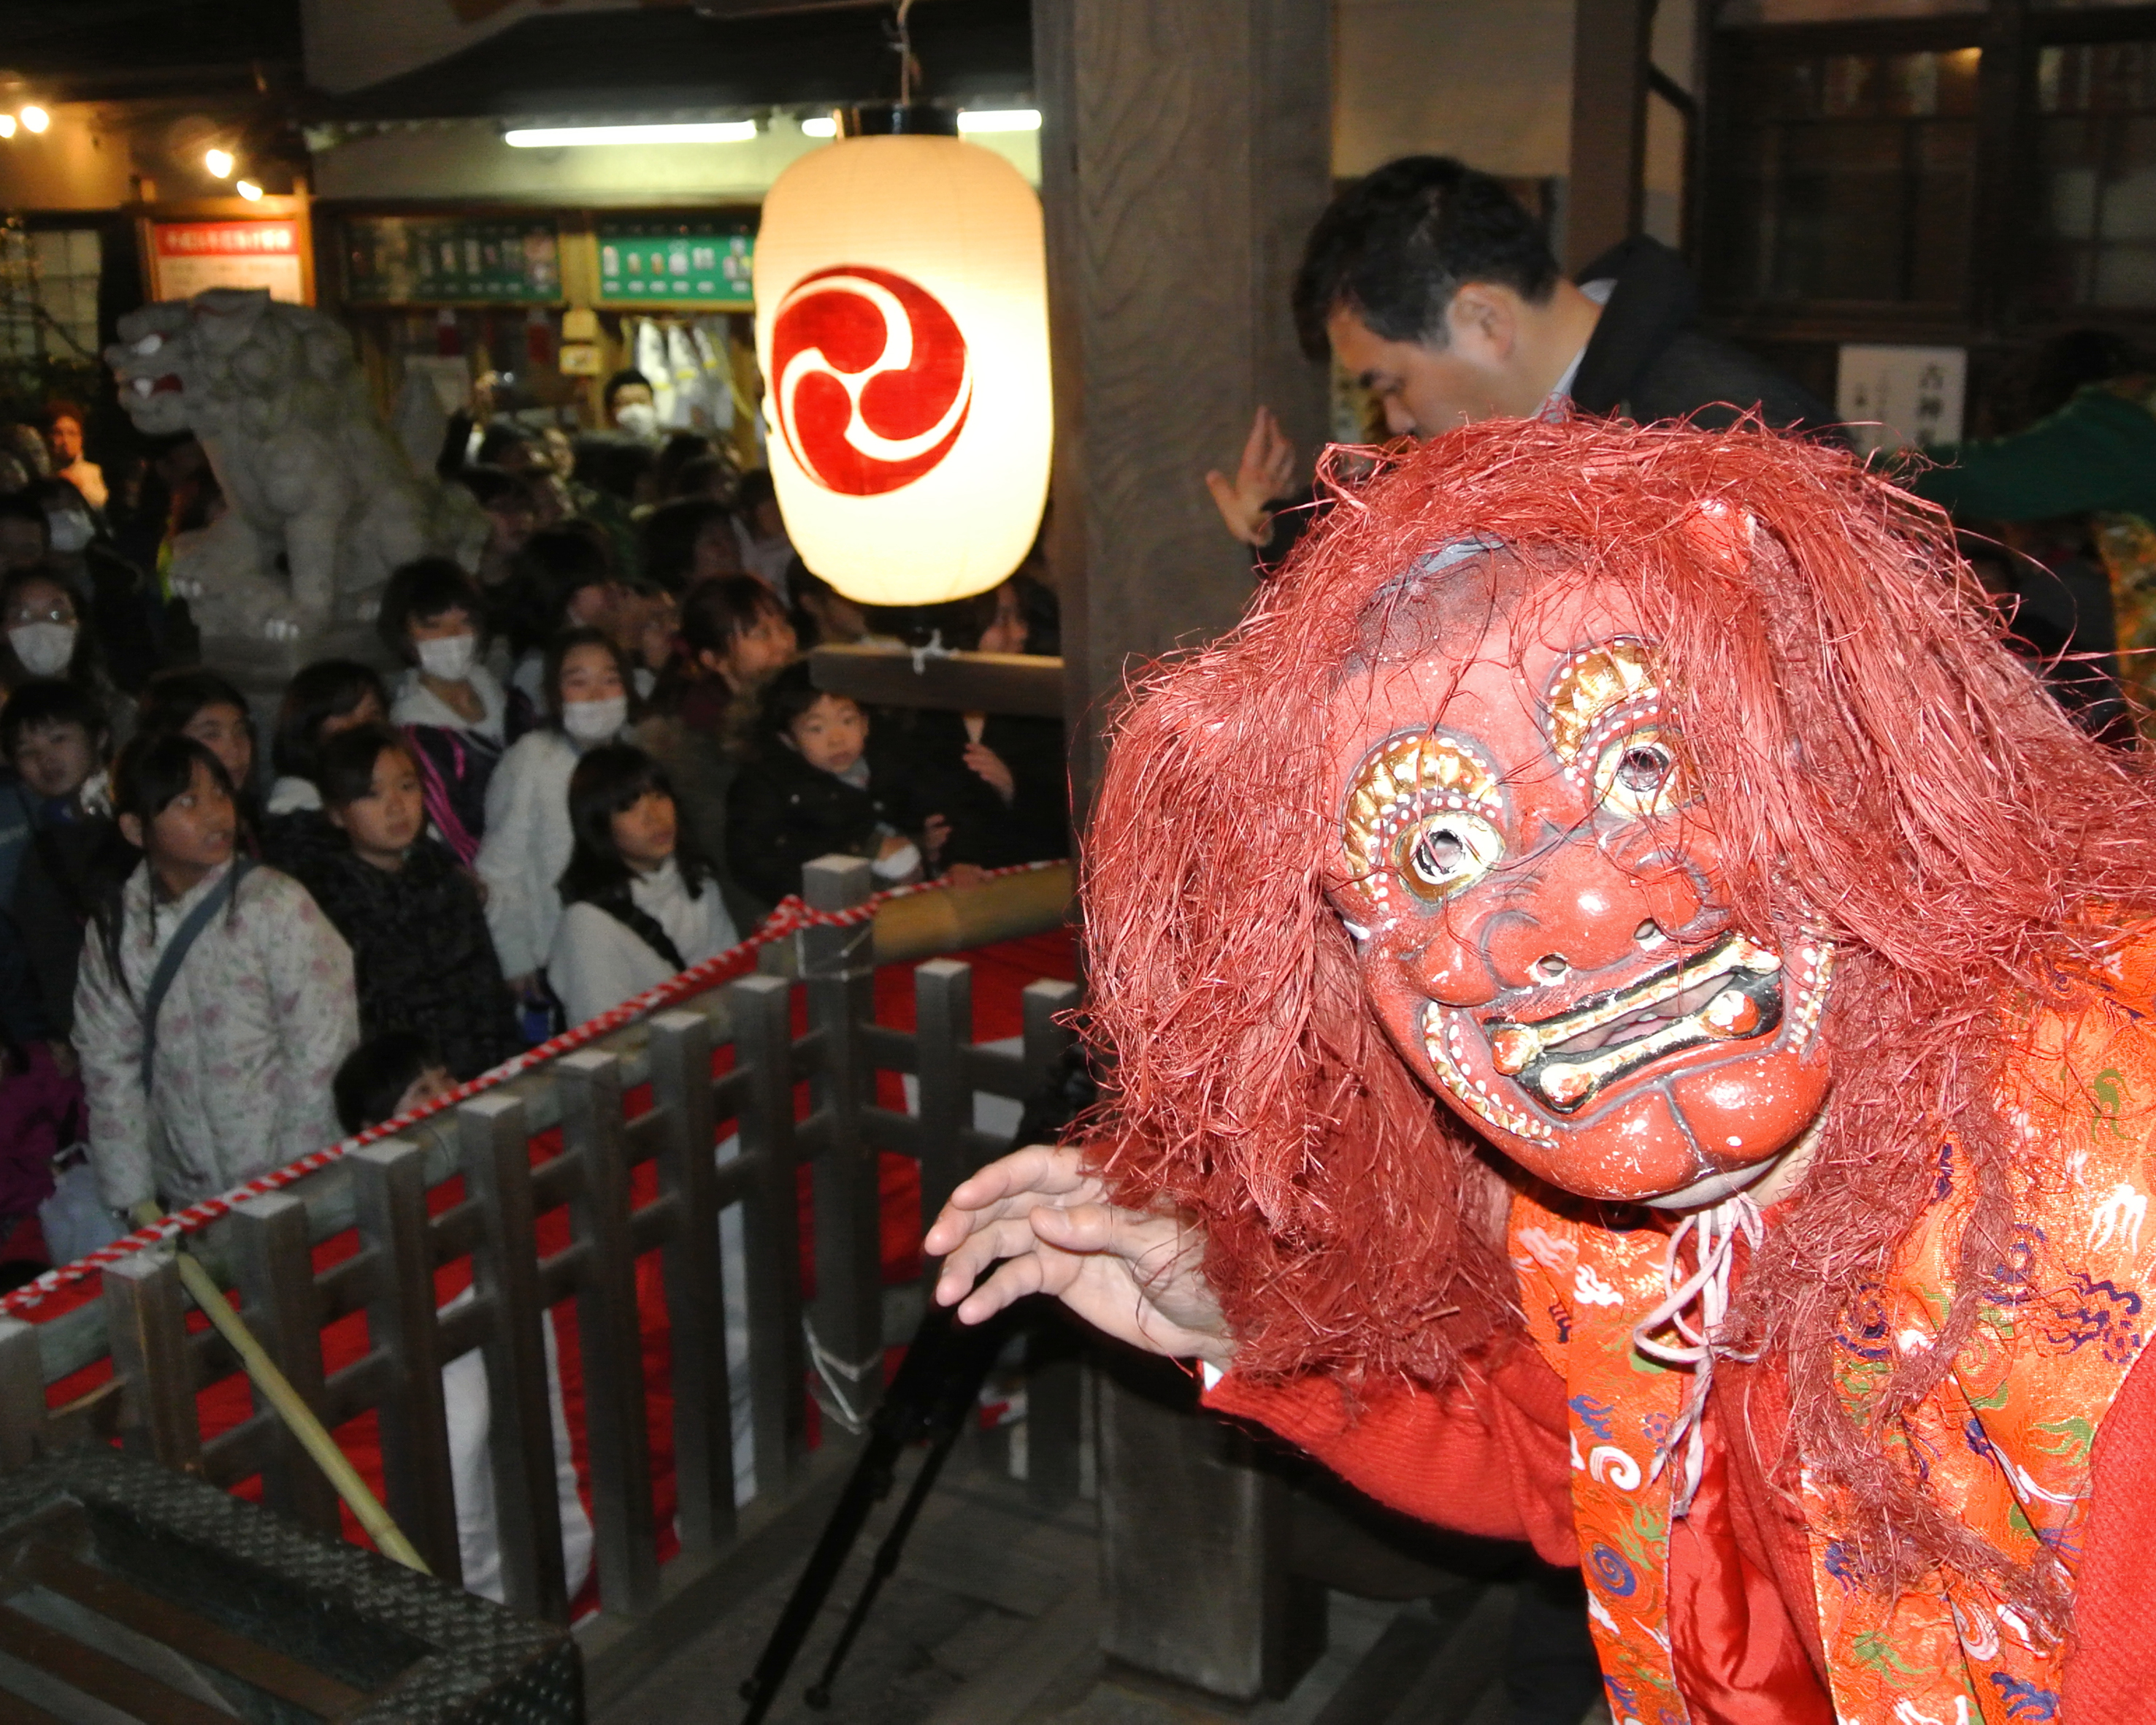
<point x="322" y="503"/>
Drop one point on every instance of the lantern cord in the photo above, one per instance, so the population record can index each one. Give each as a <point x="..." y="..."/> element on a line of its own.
<point x="907" y="66"/>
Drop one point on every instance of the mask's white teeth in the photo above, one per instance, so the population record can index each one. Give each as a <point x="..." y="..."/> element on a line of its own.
<point x="1442" y="1041"/>
<point x="1574" y="1080"/>
<point x="1516" y="1046"/>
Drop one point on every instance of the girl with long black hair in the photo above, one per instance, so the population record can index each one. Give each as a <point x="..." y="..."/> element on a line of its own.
<point x="420" y="951"/>
<point x="215" y="1000"/>
<point x="641" y="904"/>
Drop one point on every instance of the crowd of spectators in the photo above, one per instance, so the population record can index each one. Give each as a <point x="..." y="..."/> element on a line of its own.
<point x="233" y="928"/>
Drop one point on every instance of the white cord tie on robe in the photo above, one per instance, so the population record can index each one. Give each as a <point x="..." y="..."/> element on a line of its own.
<point x="1695" y="1307"/>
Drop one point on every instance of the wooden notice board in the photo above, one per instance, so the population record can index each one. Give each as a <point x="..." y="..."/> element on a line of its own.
<point x="226" y="242"/>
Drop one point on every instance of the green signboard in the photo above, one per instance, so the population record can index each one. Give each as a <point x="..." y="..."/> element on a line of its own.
<point x="444" y="260"/>
<point x="674" y="264"/>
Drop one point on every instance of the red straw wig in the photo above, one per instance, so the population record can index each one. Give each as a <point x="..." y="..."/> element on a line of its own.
<point x="1877" y="765"/>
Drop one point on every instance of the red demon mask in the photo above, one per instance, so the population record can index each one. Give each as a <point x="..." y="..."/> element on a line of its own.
<point x="1530" y="877"/>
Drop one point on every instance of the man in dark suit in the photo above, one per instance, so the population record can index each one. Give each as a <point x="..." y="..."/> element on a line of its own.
<point x="1436" y="291"/>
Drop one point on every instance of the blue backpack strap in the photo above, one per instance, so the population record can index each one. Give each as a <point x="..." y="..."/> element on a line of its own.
<point x="175" y="954"/>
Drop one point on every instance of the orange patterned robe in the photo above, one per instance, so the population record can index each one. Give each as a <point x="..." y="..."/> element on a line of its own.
<point x="2008" y="1438"/>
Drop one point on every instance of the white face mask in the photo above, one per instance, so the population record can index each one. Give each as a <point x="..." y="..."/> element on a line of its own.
<point x="898" y="865"/>
<point x="70" y="530"/>
<point x="447" y="657"/>
<point x="594" y="721"/>
<point x="638" y="418"/>
<point x="45" y="649"/>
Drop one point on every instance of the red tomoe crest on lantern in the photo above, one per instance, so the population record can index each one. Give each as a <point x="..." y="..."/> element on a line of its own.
<point x="873" y="381"/>
<point x="901" y="328"/>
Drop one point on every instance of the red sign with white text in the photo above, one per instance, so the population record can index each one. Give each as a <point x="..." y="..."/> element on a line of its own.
<point x="234" y="239"/>
<point x="194" y="255"/>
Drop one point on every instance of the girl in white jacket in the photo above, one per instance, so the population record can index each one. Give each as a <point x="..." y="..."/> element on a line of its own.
<point x="527" y="842"/>
<point x="642" y="906"/>
<point x="639" y="907"/>
<point x="227" y="1074"/>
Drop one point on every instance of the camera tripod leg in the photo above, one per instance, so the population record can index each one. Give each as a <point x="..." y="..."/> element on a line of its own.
<point x="818" y="1694"/>
<point x="868" y="1484"/>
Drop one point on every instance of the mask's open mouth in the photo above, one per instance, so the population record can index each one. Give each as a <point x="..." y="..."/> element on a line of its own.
<point x="1731" y="994"/>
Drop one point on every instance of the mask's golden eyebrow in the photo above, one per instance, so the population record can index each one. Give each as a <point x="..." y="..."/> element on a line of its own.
<point x="1592" y="684"/>
<point x="1399" y="781"/>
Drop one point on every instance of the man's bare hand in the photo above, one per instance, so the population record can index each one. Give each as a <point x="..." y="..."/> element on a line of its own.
<point x="1267" y="471"/>
<point x="991" y="766"/>
<point x="1138" y="1277"/>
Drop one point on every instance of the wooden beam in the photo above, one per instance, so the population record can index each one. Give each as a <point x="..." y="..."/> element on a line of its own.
<point x="1606" y="195"/>
<point x="1030" y="684"/>
<point x="1185" y="151"/>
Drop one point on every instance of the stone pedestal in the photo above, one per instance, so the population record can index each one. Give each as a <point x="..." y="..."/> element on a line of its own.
<point x="259" y="669"/>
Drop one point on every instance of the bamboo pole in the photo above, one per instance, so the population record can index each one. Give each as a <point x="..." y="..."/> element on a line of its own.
<point x="952" y="918"/>
<point x="277" y="1390"/>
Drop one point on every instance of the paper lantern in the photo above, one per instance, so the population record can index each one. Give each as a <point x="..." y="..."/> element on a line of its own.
<point x="901" y="322"/>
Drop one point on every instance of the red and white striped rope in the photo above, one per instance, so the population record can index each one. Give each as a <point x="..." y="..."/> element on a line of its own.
<point x="789" y="918"/>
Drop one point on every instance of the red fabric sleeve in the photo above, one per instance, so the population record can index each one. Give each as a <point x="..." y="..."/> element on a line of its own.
<point x="1740" y="1656"/>
<point x="1490" y="1456"/>
<point x="2106" y="1675"/>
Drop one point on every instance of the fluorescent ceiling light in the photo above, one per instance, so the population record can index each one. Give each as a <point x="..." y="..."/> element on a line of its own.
<point x="701" y="131"/>
<point x="823" y="125"/>
<point x="999" y="120"/>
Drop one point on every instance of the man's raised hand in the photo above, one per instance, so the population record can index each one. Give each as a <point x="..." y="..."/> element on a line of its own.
<point x="1138" y="1276"/>
<point x="1265" y="472"/>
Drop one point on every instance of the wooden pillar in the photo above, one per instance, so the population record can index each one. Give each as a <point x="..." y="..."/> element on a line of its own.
<point x="1185" y="151"/>
<point x="839" y="972"/>
<point x="2009" y="190"/>
<point x="1185" y="154"/>
<point x="1606" y="195"/>
<point x="389" y="1180"/>
<point x="1194" y="1544"/>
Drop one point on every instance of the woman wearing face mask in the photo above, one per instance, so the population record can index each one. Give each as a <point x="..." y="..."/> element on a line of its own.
<point x="45" y="637"/>
<point x="528" y="837"/>
<point x="122" y="606"/>
<point x="447" y="704"/>
<point x="629" y="404"/>
<point x="563" y="580"/>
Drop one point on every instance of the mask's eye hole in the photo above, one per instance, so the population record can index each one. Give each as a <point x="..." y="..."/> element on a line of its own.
<point x="1444" y="853"/>
<point x="1640" y="774"/>
<point x="1643" y="769"/>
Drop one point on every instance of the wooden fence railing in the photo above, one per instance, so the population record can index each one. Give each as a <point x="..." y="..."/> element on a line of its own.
<point x="266" y="1249"/>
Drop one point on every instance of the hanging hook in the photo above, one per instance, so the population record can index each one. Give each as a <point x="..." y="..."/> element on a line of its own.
<point x="908" y="69"/>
